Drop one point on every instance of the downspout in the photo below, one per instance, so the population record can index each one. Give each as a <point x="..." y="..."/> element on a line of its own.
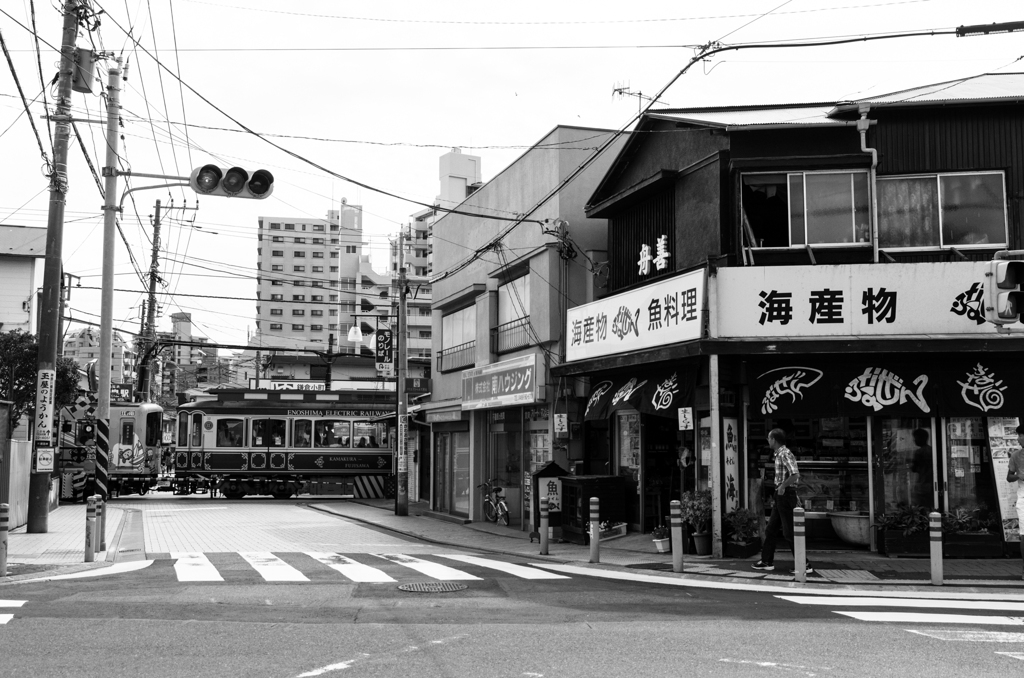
<point x="862" y="126"/>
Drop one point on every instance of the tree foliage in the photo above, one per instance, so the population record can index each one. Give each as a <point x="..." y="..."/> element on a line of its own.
<point x="19" y="352"/>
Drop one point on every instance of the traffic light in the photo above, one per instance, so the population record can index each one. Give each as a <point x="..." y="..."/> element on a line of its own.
<point x="1004" y="299"/>
<point x="232" y="183"/>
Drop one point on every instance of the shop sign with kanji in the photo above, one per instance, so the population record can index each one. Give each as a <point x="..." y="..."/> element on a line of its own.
<point x="666" y="312"/>
<point x="852" y="300"/>
<point x="509" y="382"/>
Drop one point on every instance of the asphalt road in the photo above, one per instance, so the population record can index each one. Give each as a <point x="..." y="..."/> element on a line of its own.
<point x="152" y="623"/>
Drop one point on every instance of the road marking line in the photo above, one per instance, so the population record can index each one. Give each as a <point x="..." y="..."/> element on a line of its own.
<point x="355" y="571"/>
<point x="327" y="669"/>
<point x="909" y="602"/>
<point x="116" y="568"/>
<point x="272" y="568"/>
<point x="194" y="566"/>
<point x="973" y="636"/>
<point x="208" y="508"/>
<point x="929" y="618"/>
<point x="12" y="603"/>
<point x="508" y="568"/>
<point x="1015" y="655"/>
<point x="435" y="570"/>
<point x="4" y="618"/>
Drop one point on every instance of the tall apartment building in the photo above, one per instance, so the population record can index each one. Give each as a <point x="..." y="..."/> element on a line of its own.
<point x="83" y="346"/>
<point x="175" y="368"/>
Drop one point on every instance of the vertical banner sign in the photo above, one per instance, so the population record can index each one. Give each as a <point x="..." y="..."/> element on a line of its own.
<point x="45" y="386"/>
<point x="1002" y="438"/>
<point x="384" y="352"/>
<point x="730" y="461"/>
<point x="403" y="456"/>
<point x="685" y="418"/>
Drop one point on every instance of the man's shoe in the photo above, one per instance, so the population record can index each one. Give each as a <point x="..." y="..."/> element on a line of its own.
<point x="761" y="565"/>
<point x="807" y="570"/>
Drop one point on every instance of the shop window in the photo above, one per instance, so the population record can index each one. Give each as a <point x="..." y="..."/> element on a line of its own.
<point x="942" y="210"/>
<point x="806" y="208"/>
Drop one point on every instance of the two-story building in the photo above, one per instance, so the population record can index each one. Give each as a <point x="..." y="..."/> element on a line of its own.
<point x="817" y="268"/>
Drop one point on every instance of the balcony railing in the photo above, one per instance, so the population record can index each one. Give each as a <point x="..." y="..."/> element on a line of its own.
<point x="511" y="335"/>
<point x="457" y="357"/>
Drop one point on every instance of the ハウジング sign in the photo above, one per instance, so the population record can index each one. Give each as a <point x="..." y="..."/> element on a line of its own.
<point x="509" y="382"/>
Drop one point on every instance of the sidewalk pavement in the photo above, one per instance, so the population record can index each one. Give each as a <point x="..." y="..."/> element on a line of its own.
<point x="636" y="552"/>
<point x="61" y="549"/>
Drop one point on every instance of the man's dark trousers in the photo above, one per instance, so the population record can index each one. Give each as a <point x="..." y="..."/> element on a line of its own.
<point x="782" y="517"/>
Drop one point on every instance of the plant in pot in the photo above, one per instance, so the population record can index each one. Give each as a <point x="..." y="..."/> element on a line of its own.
<point x="903" y="531"/>
<point x="743" y="539"/>
<point x="971" y="533"/>
<point x="696" y="510"/>
<point x="662" y="538"/>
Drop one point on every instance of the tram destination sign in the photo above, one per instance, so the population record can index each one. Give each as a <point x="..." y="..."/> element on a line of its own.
<point x="364" y="462"/>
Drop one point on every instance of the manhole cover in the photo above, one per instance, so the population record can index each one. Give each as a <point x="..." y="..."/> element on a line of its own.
<point x="432" y="587"/>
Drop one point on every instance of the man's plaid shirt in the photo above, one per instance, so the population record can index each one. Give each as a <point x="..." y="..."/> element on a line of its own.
<point x="785" y="464"/>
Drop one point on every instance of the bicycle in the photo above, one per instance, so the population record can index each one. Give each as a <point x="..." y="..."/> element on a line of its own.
<point x="495" y="508"/>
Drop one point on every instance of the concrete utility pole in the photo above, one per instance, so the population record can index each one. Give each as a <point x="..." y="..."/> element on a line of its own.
<point x="44" y="458"/>
<point x="146" y="367"/>
<point x="401" y="372"/>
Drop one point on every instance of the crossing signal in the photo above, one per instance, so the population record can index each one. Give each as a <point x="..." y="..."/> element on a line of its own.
<point x="234" y="182"/>
<point x="1004" y="299"/>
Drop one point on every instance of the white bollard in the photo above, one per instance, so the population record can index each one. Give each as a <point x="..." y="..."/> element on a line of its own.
<point x="544" y="526"/>
<point x="799" y="545"/>
<point x="595" y="530"/>
<point x="4" y="518"/>
<point x="90" y="530"/>
<point x="101" y="523"/>
<point x="676" y="511"/>
<point x="935" y="543"/>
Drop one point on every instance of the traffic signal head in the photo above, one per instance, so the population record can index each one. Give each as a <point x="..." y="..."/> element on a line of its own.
<point x="1004" y="299"/>
<point x="234" y="182"/>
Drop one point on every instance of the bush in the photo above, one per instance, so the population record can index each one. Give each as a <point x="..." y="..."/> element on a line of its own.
<point x="696" y="509"/>
<point x="907" y="519"/>
<point x="743" y="525"/>
<point x="963" y="519"/>
<point x="660" y="532"/>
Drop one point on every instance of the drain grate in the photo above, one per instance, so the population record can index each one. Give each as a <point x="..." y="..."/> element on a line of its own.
<point x="432" y="587"/>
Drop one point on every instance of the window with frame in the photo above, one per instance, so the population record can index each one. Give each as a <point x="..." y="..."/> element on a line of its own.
<point x="334" y="255"/>
<point x="318" y="227"/>
<point x="277" y="238"/>
<point x="334" y="283"/>
<point x="298" y="311"/>
<point x="316" y="328"/>
<point x="300" y="241"/>
<point x="299" y="253"/>
<point x="334" y="269"/>
<point x="277" y="253"/>
<point x="458" y="328"/>
<point x="299" y="283"/>
<point x="317" y="241"/>
<point x="420" y="270"/>
<point x="514" y="300"/>
<point x="275" y="326"/>
<point x="298" y="328"/>
<point x="316" y="312"/>
<point x="298" y="269"/>
<point x="318" y="255"/>
<point x="277" y="297"/>
<point x="333" y="311"/>
<point x="298" y="297"/>
<point x="289" y="227"/>
<point x="794" y="209"/>
<point x="230" y="432"/>
<point x="277" y="282"/>
<point x="333" y="297"/>
<point x="350" y="249"/>
<point x="942" y="210"/>
<point x="275" y="227"/>
<point x="317" y="297"/>
<point x="334" y="241"/>
<point x="277" y="267"/>
<point x="318" y="269"/>
<point x="277" y="311"/>
<point x="332" y="327"/>
<point x="317" y="283"/>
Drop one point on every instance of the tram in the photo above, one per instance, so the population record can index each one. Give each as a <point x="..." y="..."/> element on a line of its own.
<point x="283" y="443"/>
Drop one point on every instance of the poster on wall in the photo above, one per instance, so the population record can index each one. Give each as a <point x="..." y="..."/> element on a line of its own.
<point x="731" y="459"/>
<point x="1002" y="437"/>
<point x="685" y="418"/>
<point x="705" y="441"/>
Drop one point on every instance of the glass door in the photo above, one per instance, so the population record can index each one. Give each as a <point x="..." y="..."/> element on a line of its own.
<point x="905" y="464"/>
<point x="442" y="456"/>
<point x="461" y="487"/>
<point x="627" y="430"/>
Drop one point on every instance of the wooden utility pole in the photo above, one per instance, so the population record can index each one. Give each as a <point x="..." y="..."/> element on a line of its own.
<point x="145" y="386"/>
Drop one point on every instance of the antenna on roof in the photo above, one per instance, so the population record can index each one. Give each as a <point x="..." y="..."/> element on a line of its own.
<point x="622" y="91"/>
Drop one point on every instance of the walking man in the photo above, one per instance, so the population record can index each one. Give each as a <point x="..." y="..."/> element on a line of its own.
<point x="1015" y="474"/>
<point x="787" y="475"/>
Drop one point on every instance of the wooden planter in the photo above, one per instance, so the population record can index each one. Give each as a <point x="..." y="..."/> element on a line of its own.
<point x="896" y="544"/>
<point x="972" y="545"/>
<point x="744" y="550"/>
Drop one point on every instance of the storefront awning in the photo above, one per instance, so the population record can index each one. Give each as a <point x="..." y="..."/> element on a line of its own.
<point x="980" y="384"/>
<point x="660" y="394"/>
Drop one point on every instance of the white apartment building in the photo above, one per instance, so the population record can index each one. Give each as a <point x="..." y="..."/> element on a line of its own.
<point x="83" y="346"/>
<point x="22" y="249"/>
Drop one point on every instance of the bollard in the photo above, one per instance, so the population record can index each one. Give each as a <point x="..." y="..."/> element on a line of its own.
<point x="799" y="545"/>
<point x="935" y="542"/>
<point x="595" y="530"/>
<point x="101" y="523"/>
<point x="676" y="510"/>
<point x="543" y="526"/>
<point x="96" y="526"/>
<point x="4" y="517"/>
<point x="90" y="530"/>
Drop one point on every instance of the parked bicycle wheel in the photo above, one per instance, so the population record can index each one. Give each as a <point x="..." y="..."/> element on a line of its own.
<point x="489" y="512"/>
<point x="502" y="514"/>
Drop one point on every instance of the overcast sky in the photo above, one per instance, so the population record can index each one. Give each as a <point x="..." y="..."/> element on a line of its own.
<point x="377" y="91"/>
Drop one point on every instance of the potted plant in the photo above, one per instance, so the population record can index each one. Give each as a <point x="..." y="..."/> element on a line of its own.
<point x="696" y="510"/>
<point x="971" y="533"/>
<point x="903" y="531"/>
<point x="662" y="538"/>
<point x="742" y="540"/>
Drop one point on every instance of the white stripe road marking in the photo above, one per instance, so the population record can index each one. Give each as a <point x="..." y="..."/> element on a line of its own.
<point x="973" y="636"/>
<point x="4" y="618"/>
<point x="909" y="602"/>
<point x="508" y="568"/>
<point x="12" y="603"/>
<point x="930" y="618"/>
<point x="194" y="566"/>
<point x="355" y="571"/>
<point x="272" y="568"/>
<point x="116" y="568"/>
<point x="1015" y="655"/>
<point x="435" y="570"/>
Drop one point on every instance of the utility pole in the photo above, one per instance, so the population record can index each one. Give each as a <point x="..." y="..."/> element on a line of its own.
<point x="401" y="372"/>
<point x="39" y="479"/>
<point x="146" y="368"/>
<point x="329" y="359"/>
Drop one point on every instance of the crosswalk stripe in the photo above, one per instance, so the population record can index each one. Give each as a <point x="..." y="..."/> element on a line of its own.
<point x="194" y="566"/>
<point x="931" y="618"/>
<point x="435" y="570"/>
<point x="272" y="568"/>
<point x="4" y="618"/>
<point x="355" y="571"/>
<point x="12" y="603"/>
<point x="972" y="636"/>
<point x="508" y="568"/>
<point x="857" y="601"/>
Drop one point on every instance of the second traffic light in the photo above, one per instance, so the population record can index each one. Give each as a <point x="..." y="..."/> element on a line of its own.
<point x="234" y="182"/>
<point x="1004" y="299"/>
